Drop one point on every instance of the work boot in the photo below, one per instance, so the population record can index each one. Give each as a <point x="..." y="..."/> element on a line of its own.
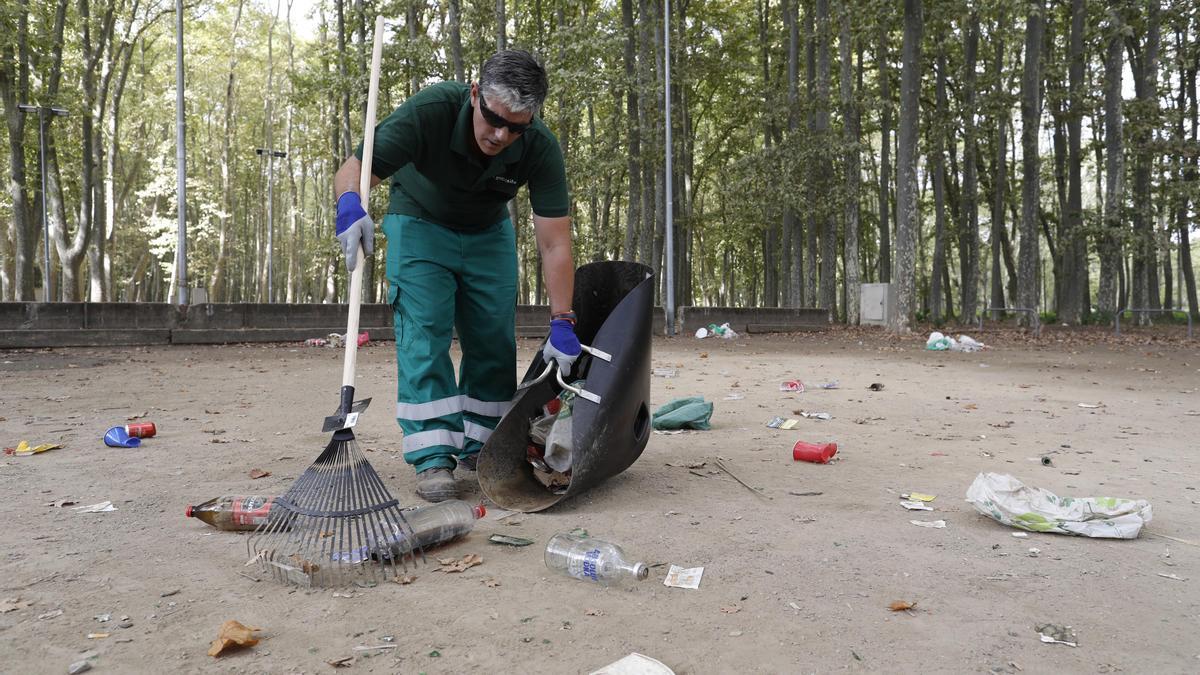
<point x="436" y="485"/>
<point x="469" y="462"/>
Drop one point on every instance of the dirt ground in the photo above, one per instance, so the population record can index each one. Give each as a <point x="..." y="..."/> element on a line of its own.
<point x="792" y="583"/>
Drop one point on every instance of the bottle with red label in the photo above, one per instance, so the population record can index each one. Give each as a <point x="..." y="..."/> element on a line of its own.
<point x="233" y="513"/>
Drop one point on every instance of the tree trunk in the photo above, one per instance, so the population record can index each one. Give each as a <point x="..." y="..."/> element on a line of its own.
<point x="812" y="270"/>
<point x="1072" y="242"/>
<point x="1114" y="170"/>
<point x="456" y="48"/>
<point x="501" y="27"/>
<point x="1188" y="173"/>
<point x="999" y="173"/>
<point x="850" y="114"/>
<point x="1028" y="258"/>
<point x="968" y="234"/>
<point x="937" y="159"/>
<point x="827" y="217"/>
<point x="14" y="90"/>
<point x="885" y="161"/>
<point x="906" y="166"/>
<point x="1143" y="63"/>
<point x="634" y="152"/>
<point x="792" y="225"/>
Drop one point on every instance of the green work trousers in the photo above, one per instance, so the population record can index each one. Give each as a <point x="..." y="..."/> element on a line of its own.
<point x="442" y="280"/>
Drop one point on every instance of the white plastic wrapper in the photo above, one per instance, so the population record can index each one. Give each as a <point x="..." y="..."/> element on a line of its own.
<point x="1009" y="501"/>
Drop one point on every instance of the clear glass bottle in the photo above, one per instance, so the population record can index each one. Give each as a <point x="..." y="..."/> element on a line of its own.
<point x="592" y="560"/>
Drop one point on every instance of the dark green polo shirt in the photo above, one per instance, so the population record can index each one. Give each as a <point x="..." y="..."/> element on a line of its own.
<point x="425" y="146"/>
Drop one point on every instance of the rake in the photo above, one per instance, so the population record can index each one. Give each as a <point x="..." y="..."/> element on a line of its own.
<point x="338" y="524"/>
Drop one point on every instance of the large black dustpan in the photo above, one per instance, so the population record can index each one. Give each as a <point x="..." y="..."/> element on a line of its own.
<point x="613" y="302"/>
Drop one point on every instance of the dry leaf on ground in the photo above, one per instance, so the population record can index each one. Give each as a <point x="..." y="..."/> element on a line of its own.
<point x="404" y="579"/>
<point x="491" y="583"/>
<point x="344" y="662"/>
<point x="233" y="634"/>
<point x="731" y="609"/>
<point x="452" y="565"/>
<point x="901" y="605"/>
<point x="259" y="473"/>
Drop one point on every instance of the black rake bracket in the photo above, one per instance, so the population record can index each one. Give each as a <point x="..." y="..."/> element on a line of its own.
<point x="342" y="419"/>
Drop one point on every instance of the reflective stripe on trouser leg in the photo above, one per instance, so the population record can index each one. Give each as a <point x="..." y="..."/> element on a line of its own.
<point x="422" y="285"/>
<point x="485" y="309"/>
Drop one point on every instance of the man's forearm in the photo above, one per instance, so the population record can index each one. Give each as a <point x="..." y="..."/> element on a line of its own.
<point x="558" y="265"/>
<point x="348" y="176"/>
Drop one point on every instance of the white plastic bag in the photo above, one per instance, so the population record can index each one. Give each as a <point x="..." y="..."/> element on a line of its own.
<point x="966" y="343"/>
<point x="1009" y="501"/>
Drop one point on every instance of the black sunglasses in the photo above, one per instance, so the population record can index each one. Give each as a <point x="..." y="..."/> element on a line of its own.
<point x="497" y="121"/>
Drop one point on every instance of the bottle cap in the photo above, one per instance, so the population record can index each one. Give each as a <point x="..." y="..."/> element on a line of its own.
<point x="640" y="571"/>
<point x="480" y="511"/>
<point x="188" y="511"/>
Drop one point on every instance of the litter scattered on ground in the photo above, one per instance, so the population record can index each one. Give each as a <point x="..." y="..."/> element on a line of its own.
<point x="805" y="494"/>
<point x="50" y="615"/>
<point x="60" y="503"/>
<point x="103" y="618"/>
<point x="1035" y="552"/>
<point x="795" y="386"/>
<point x="1172" y="576"/>
<point x="258" y="473"/>
<point x="24" y="449"/>
<point x="1091" y="406"/>
<point x="713" y="330"/>
<point x="1046" y="460"/>
<point x="635" y="664"/>
<point x="817" y="453"/>
<point x="679" y="577"/>
<point x="936" y="524"/>
<point x="79" y="667"/>
<point x="876" y="386"/>
<point x="1055" y="634"/>
<point x="97" y="636"/>
<point x="901" y="605"/>
<point x="919" y="497"/>
<point x="1020" y="535"/>
<point x="832" y="384"/>
<point x="781" y="423"/>
<point x="916" y="506"/>
<point x="98" y="507"/>
<point x="684" y="413"/>
<point x="938" y="342"/>
<point x="735" y="396"/>
<point x="233" y="634"/>
<point x="665" y="372"/>
<point x="344" y="662"/>
<point x="816" y="415"/>
<point x="1008" y="501"/>
<point x="509" y="541"/>
<point x="118" y="437"/>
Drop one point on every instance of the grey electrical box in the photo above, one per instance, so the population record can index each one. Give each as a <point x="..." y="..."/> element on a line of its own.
<point x="877" y="303"/>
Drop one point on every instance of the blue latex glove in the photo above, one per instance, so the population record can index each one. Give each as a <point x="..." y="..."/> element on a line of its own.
<point x="562" y="346"/>
<point x="354" y="226"/>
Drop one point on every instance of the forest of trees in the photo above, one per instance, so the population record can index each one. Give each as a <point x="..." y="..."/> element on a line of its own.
<point x="1009" y="153"/>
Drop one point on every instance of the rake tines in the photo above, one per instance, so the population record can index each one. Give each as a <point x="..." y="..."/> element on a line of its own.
<point x="336" y="525"/>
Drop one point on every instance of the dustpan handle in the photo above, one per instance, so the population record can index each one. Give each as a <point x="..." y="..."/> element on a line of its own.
<point x="364" y="188"/>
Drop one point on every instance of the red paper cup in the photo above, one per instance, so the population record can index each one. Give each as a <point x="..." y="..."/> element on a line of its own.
<point x="817" y="453"/>
<point x="141" y="430"/>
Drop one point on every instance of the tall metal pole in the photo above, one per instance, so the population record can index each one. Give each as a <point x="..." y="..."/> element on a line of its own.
<point x="47" y="275"/>
<point x="180" y="161"/>
<point x="669" y="301"/>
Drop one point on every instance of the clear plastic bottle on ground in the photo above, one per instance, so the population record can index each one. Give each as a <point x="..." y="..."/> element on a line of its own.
<point x="592" y="560"/>
<point x="233" y="513"/>
<point x="432" y="525"/>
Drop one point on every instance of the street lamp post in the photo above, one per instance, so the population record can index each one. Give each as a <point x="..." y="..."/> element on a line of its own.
<point x="42" y="111"/>
<point x="271" y="155"/>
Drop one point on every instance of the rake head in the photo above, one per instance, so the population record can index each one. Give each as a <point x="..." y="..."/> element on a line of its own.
<point x="336" y="525"/>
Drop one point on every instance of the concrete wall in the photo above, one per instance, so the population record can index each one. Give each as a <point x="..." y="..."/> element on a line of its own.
<point x="82" y="324"/>
<point x="753" y="319"/>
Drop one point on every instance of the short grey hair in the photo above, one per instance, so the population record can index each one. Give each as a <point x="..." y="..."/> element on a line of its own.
<point x="514" y="78"/>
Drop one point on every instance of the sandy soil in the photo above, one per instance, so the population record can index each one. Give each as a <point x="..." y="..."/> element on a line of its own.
<point x="792" y="583"/>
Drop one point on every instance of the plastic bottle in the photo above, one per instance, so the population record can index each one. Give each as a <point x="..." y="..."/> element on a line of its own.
<point x="233" y="513"/>
<point x="817" y="453"/>
<point x="431" y="525"/>
<point x="592" y="560"/>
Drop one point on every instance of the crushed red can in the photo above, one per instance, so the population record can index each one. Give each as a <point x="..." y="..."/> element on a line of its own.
<point x="141" y="429"/>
